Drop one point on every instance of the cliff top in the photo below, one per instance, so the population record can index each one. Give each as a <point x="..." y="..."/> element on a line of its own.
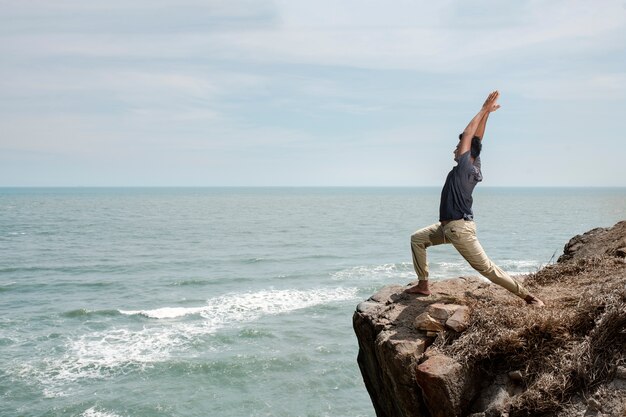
<point x="504" y="358"/>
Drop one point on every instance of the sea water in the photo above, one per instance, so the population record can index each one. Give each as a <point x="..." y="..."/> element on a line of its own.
<point x="229" y="301"/>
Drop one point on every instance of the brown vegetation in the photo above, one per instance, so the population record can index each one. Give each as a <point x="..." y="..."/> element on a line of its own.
<point x="507" y="358"/>
<point x="565" y="351"/>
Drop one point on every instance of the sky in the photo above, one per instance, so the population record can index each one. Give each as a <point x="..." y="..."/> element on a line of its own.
<point x="309" y="93"/>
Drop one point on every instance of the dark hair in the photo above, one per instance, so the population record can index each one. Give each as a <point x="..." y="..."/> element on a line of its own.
<point x="477" y="146"/>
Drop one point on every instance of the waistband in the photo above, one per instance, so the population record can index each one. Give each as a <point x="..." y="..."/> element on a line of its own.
<point x="444" y="222"/>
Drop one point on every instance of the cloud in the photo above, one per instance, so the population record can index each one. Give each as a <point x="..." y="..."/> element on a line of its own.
<point x="133" y="17"/>
<point x="447" y="47"/>
<point x="405" y="35"/>
<point x="357" y="84"/>
<point x="579" y="87"/>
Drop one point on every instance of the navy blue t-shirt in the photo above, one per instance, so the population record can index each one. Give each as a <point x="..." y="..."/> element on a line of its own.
<point x="456" y="196"/>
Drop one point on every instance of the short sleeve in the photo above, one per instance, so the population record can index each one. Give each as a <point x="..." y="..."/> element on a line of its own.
<point x="465" y="163"/>
<point x="477" y="162"/>
<point x="470" y="170"/>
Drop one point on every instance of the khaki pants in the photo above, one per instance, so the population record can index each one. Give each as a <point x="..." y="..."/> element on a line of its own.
<point x="462" y="234"/>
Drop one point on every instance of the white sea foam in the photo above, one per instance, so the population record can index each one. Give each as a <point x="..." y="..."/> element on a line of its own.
<point x="249" y="306"/>
<point x="513" y="266"/>
<point x="100" y="354"/>
<point x="51" y="393"/>
<point x="520" y="266"/>
<point x="94" y="412"/>
<point x="450" y="269"/>
<point x="165" y="312"/>
<point x="401" y="271"/>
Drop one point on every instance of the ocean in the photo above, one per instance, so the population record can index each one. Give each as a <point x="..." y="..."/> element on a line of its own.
<point x="129" y="302"/>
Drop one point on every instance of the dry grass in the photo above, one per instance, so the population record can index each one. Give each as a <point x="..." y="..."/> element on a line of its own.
<point x="571" y="347"/>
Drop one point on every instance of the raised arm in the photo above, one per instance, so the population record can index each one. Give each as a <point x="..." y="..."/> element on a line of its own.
<point x="476" y="126"/>
<point x="480" y="132"/>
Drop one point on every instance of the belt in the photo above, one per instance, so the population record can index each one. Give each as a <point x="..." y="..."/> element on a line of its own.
<point x="444" y="222"/>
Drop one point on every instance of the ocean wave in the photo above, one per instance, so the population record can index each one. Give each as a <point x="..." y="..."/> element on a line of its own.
<point x="164" y="312"/>
<point x="7" y="286"/>
<point x="520" y="266"/>
<point x="450" y="269"/>
<point x="94" y="412"/>
<point x="109" y="352"/>
<point x="404" y="271"/>
<point x="101" y="355"/>
<point x="401" y="271"/>
<point x="256" y="260"/>
<point x="444" y="270"/>
<point x="511" y="265"/>
<point x="82" y="312"/>
<point x="190" y="282"/>
<point x="16" y="233"/>
<point x="249" y="306"/>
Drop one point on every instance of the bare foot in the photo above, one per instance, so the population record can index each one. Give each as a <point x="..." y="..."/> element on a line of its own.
<point x="421" y="288"/>
<point x="534" y="301"/>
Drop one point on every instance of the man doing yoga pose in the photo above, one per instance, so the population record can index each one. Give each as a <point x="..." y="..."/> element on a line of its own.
<point x="456" y="219"/>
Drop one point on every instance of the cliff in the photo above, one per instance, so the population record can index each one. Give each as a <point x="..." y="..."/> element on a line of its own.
<point x="473" y="349"/>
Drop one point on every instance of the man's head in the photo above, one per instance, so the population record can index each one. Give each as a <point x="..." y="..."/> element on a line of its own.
<point x="475" y="148"/>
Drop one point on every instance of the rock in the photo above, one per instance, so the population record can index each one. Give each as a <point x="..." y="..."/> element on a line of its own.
<point x="620" y="373"/>
<point x="425" y="322"/>
<point x="366" y="305"/>
<point x="445" y="385"/>
<point x="596" y="242"/>
<point x="386" y="361"/>
<point x="389" y="346"/>
<point x="442" y="312"/>
<point x="459" y="320"/>
<point x="384" y="294"/>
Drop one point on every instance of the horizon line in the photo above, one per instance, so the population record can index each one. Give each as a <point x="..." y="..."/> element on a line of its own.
<point x="302" y="186"/>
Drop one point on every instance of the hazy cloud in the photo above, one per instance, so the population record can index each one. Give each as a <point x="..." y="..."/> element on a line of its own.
<point x="298" y="92"/>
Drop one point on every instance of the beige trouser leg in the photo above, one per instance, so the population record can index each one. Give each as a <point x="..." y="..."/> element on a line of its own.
<point x="462" y="234"/>
<point x="420" y="240"/>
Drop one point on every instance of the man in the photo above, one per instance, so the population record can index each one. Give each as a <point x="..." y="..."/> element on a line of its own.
<point x="456" y="219"/>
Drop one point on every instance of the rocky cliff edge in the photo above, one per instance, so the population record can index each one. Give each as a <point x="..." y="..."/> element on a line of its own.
<point x="473" y="349"/>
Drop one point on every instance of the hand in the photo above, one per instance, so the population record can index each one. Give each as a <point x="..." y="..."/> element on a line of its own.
<point x="491" y="104"/>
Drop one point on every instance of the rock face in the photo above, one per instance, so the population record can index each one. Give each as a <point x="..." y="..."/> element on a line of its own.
<point x="399" y="334"/>
<point x="394" y="331"/>
<point x="597" y="242"/>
